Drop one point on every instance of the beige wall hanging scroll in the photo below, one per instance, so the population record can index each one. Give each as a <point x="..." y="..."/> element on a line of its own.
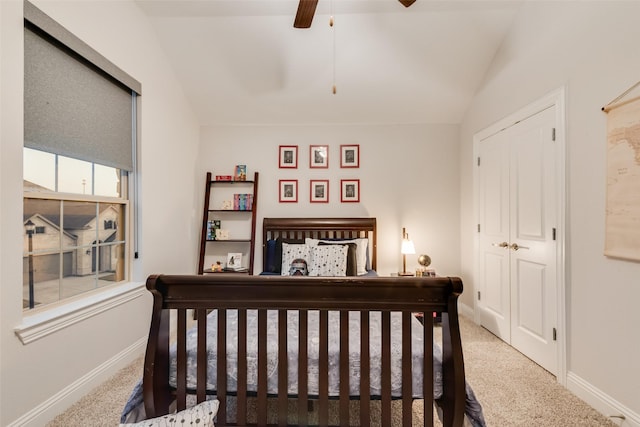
<point x="622" y="230"/>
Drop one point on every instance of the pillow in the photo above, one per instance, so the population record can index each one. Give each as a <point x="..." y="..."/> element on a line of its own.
<point x="270" y="260"/>
<point x="277" y="259"/>
<point x="201" y="415"/>
<point x="361" y="252"/>
<point x="352" y="260"/>
<point x="294" y="252"/>
<point x="328" y="261"/>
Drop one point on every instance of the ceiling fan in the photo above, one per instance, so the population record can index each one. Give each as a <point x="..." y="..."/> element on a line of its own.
<point x="307" y="8"/>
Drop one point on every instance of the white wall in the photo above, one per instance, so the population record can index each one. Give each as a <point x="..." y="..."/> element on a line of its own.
<point x="408" y="175"/>
<point x="33" y="376"/>
<point x="591" y="48"/>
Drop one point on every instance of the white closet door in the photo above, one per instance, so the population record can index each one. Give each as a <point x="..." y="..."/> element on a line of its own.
<point x="518" y="205"/>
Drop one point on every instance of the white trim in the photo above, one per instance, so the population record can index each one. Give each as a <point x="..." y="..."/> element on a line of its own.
<point x="602" y="402"/>
<point x="466" y="311"/>
<point x="557" y="99"/>
<point x="66" y="397"/>
<point x="40" y="324"/>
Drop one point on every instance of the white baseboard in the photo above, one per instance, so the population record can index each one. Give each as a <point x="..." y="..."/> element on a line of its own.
<point x="465" y="310"/>
<point x="59" y="402"/>
<point x="602" y="402"/>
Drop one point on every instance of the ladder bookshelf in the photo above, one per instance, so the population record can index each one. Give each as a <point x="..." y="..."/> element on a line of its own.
<point x="231" y="206"/>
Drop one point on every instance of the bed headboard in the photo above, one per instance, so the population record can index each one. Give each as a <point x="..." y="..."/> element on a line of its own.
<point x="320" y="228"/>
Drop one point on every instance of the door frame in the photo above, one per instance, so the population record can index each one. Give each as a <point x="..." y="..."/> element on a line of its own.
<point x="555" y="99"/>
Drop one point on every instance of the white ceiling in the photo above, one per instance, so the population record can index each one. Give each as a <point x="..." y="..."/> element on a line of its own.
<point x="242" y="62"/>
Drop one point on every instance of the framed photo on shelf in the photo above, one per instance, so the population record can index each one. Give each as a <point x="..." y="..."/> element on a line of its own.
<point x="288" y="157"/>
<point x="318" y="156"/>
<point x="288" y="191"/>
<point x="319" y="191"/>
<point x="349" y="190"/>
<point x="350" y="156"/>
<point x="234" y="261"/>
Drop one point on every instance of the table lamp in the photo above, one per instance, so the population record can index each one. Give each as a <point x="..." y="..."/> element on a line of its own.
<point x="406" y="248"/>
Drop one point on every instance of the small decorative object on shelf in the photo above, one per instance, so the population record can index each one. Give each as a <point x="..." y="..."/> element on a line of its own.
<point x="217" y="267"/>
<point x="222" y="234"/>
<point x="234" y="261"/>
<point x="241" y="173"/>
<point x="227" y="205"/>
<point x="224" y="178"/>
<point x="422" y="271"/>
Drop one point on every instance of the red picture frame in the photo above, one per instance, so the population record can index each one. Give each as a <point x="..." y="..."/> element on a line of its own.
<point x="288" y="190"/>
<point x="350" y="156"/>
<point x="350" y="190"/>
<point x="319" y="156"/>
<point x="288" y="157"/>
<point x="319" y="191"/>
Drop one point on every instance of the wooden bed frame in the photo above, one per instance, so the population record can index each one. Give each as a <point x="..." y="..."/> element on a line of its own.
<point x="407" y="295"/>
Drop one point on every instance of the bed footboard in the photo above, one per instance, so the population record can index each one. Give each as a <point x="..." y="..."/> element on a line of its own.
<point x="252" y="320"/>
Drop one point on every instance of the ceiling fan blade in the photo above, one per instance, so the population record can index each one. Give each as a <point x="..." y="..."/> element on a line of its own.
<point x="304" y="16"/>
<point x="407" y="3"/>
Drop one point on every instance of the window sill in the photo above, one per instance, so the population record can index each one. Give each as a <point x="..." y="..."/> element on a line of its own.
<point x="38" y="325"/>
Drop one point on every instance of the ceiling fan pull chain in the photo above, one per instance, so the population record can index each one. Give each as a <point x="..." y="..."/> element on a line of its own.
<point x="333" y="89"/>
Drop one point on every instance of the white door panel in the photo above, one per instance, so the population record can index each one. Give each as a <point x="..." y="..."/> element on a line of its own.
<point x="494" y="219"/>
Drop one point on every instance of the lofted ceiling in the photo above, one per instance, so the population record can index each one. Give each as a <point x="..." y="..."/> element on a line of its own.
<point x="242" y="62"/>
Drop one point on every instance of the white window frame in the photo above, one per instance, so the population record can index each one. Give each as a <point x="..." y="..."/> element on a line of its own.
<point x="40" y="322"/>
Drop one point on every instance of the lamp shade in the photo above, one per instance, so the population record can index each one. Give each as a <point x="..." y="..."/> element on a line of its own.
<point x="407" y="247"/>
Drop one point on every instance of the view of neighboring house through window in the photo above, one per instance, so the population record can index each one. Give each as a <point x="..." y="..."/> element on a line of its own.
<point x="73" y="243"/>
<point x="79" y="151"/>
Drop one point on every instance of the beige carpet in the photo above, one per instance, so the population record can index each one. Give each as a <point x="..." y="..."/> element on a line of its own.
<point x="512" y="390"/>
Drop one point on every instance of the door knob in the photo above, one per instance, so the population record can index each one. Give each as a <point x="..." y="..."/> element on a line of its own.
<point x="501" y="244"/>
<point x="515" y="247"/>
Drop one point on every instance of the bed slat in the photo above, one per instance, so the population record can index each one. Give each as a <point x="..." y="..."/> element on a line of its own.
<point x="323" y="366"/>
<point x="303" y="376"/>
<point x="262" y="367"/>
<point x="385" y="374"/>
<point x="201" y="386"/>
<point x="344" y="368"/>
<point x="242" y="367"/>
<point x="428" y="367"/>
<point x="221" y="359"/>
<point x="365" y="379"/>
<point x="283" y="367"/>
<point x="407" y="382"/>
<point x="181" y="358"/>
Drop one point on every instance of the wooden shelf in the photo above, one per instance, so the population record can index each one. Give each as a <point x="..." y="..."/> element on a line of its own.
<point x="208" y="244"/>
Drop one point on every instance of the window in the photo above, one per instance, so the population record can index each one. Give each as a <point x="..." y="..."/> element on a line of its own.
<point x="79" y="127"/>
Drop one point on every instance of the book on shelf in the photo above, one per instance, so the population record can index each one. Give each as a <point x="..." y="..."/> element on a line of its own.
<point x="224" y="178"/>
<point x="243" y="202"/>
<point x="240" y="173"/>
<point x="212" y="226"/>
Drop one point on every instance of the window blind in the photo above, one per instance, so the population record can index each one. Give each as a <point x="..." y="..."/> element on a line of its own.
<point x="76" y="102"/>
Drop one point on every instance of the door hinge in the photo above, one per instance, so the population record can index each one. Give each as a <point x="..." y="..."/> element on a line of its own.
<point x="479" y="298"/>
<point x="478" y="228"/>
<point x="478" y="161"/>
<point x="555" y="334"/>
<point x="553" y="134"/>
<point x="553" y="233"/>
